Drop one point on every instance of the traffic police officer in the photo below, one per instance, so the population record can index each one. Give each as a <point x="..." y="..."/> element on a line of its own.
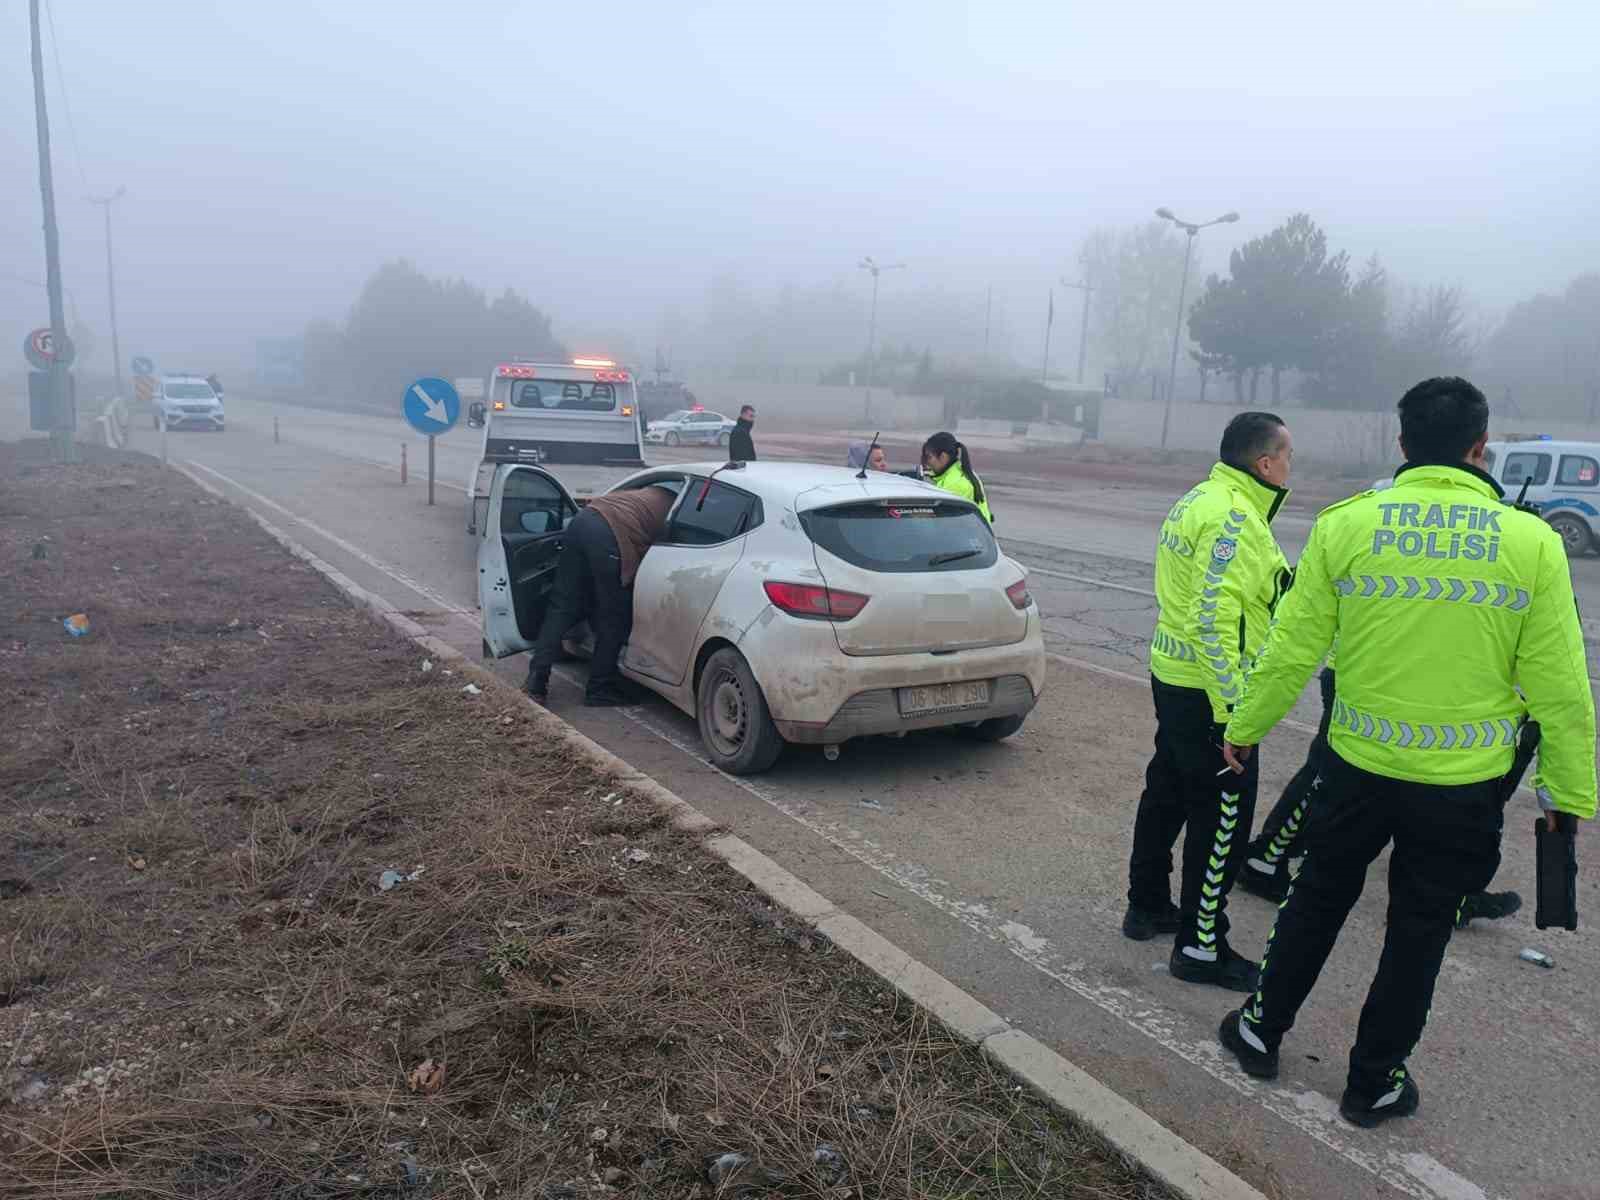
<point x="1443" y="599"/>
<point x="1219" y="574"/>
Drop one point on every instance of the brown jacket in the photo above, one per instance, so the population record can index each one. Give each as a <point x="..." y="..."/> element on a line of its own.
<point x="637" y="518"/>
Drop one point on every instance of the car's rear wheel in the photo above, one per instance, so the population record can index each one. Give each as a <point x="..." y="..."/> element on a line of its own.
<point x="735" y="724"/>
<point x="671" y="439"/>
<point x="995" y="728"/>
<point x="722" y="439"/>
<point x="1574" y="533"/>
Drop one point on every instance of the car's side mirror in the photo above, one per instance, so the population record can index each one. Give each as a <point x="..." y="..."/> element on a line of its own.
<point x="476" y="414"/>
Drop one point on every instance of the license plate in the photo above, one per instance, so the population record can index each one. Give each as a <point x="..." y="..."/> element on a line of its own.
<point x="943" y="697"/>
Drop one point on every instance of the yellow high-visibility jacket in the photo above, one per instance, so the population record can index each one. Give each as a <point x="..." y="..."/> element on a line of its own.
<point x="1219" y="574"/>
<point x="1444" y="599"/>
<point x="954" y="480"/>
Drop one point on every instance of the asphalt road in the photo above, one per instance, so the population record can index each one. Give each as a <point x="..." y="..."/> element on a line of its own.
<point x="1004" y="867"/>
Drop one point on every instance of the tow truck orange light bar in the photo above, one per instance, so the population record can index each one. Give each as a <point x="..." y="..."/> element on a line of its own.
<point x="519" y="371"/>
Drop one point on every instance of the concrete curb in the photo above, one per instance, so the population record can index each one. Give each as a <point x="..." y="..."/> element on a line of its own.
<point x="1131" y="1131"/>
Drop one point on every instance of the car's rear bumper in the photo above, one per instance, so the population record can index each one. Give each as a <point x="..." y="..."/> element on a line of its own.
<point x="878" y="712"/>
<point x="817" y="694"/>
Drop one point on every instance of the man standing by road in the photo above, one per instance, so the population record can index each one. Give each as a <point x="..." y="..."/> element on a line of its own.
<point x="1443" y="600"/>
<point x="1219" y="575"/>
<point x="741" y="446"/>
<point x="594" y="581"/>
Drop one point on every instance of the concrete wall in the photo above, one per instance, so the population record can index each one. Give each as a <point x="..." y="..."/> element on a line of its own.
<point x="1350" y="440"/>
<point x="813" y="406"/>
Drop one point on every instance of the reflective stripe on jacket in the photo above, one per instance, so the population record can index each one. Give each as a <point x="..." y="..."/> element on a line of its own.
<point x="1444" y="599"/>
<point x="1219" y="573"/>
<point x="954" y="480"/>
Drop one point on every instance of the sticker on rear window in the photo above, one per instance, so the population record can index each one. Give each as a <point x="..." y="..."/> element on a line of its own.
<point x="912" y="512"/>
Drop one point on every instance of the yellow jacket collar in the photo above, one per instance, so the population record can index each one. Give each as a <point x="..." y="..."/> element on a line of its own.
<point x="1460" y="475"/>
<point x="1266" y="498"/>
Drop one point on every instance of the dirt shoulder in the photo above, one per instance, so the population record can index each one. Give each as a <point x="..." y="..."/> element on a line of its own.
<point x="207" y="989"/>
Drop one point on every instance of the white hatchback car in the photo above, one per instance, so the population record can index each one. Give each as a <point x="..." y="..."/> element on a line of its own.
<point x="790" y="602"/>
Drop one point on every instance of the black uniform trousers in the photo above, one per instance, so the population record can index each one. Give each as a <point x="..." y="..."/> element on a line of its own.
<point x="1188" y="784"/>
<point x="1446" y="845"/>
<point x="588" y="586"/>
<point x="1280" y="836"/>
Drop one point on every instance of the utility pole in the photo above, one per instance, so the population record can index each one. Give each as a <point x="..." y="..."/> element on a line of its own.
<point x="988" y="311"/>
<point x="1083" y="329"/>
<point x="61" y="435"/>
<point x="106" y="202"/>
<point x="1191" y="229"/>
<point x="867" y="264"/>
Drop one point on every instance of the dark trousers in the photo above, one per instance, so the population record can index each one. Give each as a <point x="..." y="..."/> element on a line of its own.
<point x="1280" y="836"/>
<point x="1187" y="784"/>
<point x="588" y="586"/>
<point x="1446" y="844"/>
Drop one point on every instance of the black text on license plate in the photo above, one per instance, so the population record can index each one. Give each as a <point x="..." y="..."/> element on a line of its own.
<point x="943" y="697"/>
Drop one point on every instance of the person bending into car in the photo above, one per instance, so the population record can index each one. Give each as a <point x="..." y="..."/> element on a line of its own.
<point x="594" y="582"/>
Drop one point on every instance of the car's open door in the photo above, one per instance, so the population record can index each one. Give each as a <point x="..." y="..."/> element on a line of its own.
<point x="526" y="522"/>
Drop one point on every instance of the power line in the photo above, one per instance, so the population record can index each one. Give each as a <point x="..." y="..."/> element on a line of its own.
<point x="61" y="82"/>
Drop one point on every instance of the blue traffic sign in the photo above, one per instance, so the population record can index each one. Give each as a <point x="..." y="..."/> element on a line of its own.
<point x="143" y="366"/>
<point x="431" y="406"/>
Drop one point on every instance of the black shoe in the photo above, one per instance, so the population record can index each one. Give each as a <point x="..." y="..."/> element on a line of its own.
<point x="1370" y="1114"/>
<point x="1491" y="906"/>
<point x="537" y="694"/>
<point x="1270" y="884"/>
<point x="1142" y="924"/>
<point x="1230" y="970"/>
<point x="1259" y="1064"/>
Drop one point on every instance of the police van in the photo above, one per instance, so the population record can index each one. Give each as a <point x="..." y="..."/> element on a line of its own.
<point x="582" y="411"/>
<point x="1563" y="480"/>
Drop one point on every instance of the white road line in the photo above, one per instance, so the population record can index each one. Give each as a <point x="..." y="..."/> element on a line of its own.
<point x="354" y="551"/>
<point x="1298" y="1109"/>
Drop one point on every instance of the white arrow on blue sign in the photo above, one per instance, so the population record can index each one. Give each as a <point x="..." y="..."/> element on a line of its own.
<point x="432" y="406"/>
<point x="143" y="366"/>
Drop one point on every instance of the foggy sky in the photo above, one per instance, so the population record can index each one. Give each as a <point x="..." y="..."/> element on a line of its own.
<point x="610" y="160"/>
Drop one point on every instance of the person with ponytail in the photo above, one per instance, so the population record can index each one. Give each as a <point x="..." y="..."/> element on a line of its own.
<point x="946" y="464"/>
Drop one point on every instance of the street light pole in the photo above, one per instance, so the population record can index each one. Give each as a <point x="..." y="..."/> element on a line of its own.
<point x="61" y="433"/>
<point x="867" y="264"/>
<point x="1191" y="229"/>
<point x="1083" y="329"/>
<point x="111" y="280"/>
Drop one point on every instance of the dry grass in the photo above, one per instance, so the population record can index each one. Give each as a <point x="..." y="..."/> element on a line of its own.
<point x="204" y="992"/>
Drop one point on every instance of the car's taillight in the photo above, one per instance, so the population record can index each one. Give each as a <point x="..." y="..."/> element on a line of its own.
<point x="814" y="601"/>
<point x="1018" y="592"/>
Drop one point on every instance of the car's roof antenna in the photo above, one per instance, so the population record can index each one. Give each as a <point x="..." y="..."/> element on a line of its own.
<point x="706" y="490"/>
<point x="862" y="474"/>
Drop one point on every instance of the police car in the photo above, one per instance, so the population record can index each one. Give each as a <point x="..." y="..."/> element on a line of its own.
<point x="1563" y="480"/>
<point x="1563" y="483"/>
<point x="693" y="426"/>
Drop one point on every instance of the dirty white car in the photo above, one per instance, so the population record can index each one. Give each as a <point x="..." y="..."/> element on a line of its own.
<point x="791" y="602"/>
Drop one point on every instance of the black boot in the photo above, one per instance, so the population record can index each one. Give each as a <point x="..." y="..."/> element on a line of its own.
<point x="1261" y="1064"/>
<point x="1402" y="1101"/>
<point x="1490" y="906"/>
<point x="1230" y="969"/>
<point x="1269" y="881"/>
<point x="1142" y="924"/>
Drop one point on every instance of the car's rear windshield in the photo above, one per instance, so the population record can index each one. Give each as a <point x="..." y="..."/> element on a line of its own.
<point x="563" y="394"/>
<point x="904" y="535"/>
<point x="188" y="391"/>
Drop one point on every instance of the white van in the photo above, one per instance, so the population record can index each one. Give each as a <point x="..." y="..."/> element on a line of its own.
<point x="583" y="411"/>
<point x="1563" y="479"/>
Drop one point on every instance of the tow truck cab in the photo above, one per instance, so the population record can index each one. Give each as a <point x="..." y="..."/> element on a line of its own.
<point x="583" y="411"/>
